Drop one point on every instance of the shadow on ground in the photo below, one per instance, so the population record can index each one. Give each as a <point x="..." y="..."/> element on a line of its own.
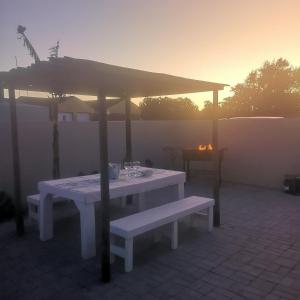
<point x="255" y="254"/>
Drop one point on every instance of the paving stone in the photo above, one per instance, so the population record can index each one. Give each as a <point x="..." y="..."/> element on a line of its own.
<point x="255" y="254"/>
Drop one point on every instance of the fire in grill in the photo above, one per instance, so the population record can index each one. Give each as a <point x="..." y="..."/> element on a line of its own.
<point x="202" y="152"/>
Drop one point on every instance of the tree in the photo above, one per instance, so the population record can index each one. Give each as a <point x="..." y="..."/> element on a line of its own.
<point x="165" y="108"/>
<point x="273" y="89"/>
<point x="21" y="31"/>
<point x="208" y="110"/>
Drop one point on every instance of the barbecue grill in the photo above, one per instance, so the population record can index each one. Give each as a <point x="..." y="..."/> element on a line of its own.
<point x="200" y="153"/>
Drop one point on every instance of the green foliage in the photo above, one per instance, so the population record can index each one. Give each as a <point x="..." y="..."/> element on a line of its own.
<point x="273" y="89"/>
<point x="165" y="108"/>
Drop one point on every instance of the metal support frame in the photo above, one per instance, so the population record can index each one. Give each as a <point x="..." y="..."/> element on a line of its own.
<point x="105" y="213"/>
<point x="216" y="158"/>
<point x="16" y="162"/>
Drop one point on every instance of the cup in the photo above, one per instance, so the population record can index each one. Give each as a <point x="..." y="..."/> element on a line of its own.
<point x="114" y="170"/>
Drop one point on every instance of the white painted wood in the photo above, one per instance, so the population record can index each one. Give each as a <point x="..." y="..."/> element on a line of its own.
<point x="87" y="188"/>
<point x="128" y="254"/>
<point x="149" y="219"/>
<point x="174" y="235"/>
<point x="85" y="191"/>
<point x="133" y="225"/>
<point x="117" y="250"/>
<point x="87" y="229"/>
<point x="46" y="217"/>
<point x="34" y="206"/>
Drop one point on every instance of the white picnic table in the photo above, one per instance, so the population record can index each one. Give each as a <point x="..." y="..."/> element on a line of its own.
<point x="85" y="192"/>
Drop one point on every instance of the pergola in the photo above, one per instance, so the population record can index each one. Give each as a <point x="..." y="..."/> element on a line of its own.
<point x="85" y="77"/>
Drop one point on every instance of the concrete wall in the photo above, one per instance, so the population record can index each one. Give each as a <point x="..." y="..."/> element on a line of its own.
<point x="25" y="112"/>
<point x="259" y="151"/>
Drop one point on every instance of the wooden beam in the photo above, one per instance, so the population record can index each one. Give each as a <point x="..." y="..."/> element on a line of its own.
<point x="105" y="211"/>
<point x="16" y="162"/>
<point x="1" y="91"/>
<point x="55" y="137"/>
<point x="216" y="158"/>
<point x="128" y="156"/>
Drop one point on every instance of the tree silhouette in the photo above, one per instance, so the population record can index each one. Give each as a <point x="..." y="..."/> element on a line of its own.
<point x="21" y="31"/>
<point x="165" y="108"/>
<point x="273" y="89"/>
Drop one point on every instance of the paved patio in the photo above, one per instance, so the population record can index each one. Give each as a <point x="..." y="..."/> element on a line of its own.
<point x="254" y="255"/>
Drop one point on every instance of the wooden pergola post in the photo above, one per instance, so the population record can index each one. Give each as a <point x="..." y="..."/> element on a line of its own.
<point x="55" y="137"/>
<point x="104" y="181"/>
<point x="1" y="91"/>
<point x="216" y="158"/>
<point x="16" y="162"/>
<point x="128" y="155"/>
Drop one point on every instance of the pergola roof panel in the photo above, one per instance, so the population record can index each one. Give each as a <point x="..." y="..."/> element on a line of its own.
<point x="85" y="77"/>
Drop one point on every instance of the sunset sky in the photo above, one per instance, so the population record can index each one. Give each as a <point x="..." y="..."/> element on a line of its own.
<point x="216" y="40"/>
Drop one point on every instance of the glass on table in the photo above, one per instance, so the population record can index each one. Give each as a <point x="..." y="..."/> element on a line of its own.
<point x="136" y="168"/>
<point x="127" y="166"/>
<point x="136" y="165"/>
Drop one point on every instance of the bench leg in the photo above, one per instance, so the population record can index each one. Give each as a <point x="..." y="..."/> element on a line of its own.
<point x="210" y="218"/>
<point x="46" y="217"/>
<point x="174" y="238"/>
<point x="128" y="254"/>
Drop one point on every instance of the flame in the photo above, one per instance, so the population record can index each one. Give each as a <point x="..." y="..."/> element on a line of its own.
<point x="208" y="147"/>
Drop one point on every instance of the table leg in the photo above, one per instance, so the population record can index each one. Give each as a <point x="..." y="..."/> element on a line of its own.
<point x="87" y="229"/>
<point x="123" y="202"/>
<point x="46" y="217"/>
<point x="174" y="235"/>
<point x="141" y="201"/>
<point x="128" y="254"/>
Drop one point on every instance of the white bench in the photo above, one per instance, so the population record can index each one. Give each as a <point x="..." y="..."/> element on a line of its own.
<point x="34" y="204"/>
<point x="141" y="222"/>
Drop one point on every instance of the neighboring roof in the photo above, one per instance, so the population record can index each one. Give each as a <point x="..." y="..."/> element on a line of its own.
<point x="75" y="105"/>
<point x="85" y="77"/>
<point x="69" y="104"/>
<point x="33" y="100"/>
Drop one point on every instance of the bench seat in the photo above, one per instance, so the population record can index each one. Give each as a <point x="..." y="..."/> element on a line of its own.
<point x="141" y="222"/>
<point x="34" y="204"/>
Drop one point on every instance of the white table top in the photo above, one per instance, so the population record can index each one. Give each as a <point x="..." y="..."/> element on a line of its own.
<point x="87" y="188"/>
